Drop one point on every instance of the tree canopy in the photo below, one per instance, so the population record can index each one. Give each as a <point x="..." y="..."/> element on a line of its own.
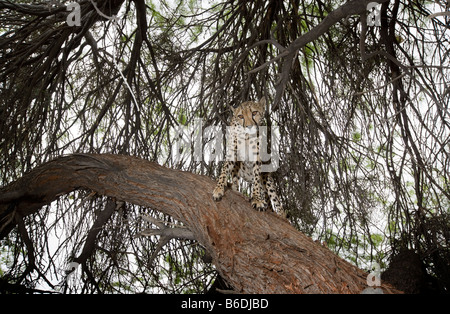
<point x="360" y="98"/>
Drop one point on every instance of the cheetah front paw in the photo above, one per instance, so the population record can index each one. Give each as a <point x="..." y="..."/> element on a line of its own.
<point x="218" y="194"/>
<point x="259" y="205"/>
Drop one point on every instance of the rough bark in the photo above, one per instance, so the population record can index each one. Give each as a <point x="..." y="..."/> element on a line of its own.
<point x="255" y="252"/>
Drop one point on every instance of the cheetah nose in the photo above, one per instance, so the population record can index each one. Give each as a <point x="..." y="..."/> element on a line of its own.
<point x="251" y="129"/>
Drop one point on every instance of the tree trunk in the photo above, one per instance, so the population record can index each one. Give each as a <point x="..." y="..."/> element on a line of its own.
<point x="255" y="252"/>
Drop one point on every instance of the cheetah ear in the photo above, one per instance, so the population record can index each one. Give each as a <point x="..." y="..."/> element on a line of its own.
<point x="262" y="103"/>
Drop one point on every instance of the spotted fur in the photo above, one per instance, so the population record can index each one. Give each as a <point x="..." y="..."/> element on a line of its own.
<point x="248" y="115"/>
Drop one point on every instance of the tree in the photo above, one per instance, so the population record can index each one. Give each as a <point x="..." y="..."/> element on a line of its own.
<point x="362" y="110"/>
<point x="254" y="252"/>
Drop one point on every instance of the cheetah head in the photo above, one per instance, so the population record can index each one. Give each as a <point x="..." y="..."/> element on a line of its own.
<point x="249" y="113"/>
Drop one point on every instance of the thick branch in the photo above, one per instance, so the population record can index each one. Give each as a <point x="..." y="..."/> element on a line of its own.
<point x="255" y="252"/>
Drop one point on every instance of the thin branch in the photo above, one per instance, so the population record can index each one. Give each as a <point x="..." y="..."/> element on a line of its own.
<point x="164" y="231"/>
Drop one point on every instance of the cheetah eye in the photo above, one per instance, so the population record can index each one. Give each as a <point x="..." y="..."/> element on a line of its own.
<point x="254" y="113"/>
<point x="240" y="116"/>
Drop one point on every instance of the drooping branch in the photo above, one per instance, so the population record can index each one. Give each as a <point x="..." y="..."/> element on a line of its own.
<point x="255" y="252"/>
<point x="354" y="7"/>
<point x="166" y="234"/>
<point x="96" y="228"/>
<point x="164" y="231"/>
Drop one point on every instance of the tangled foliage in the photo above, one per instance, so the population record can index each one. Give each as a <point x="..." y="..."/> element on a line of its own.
<point x="363" y="114"/>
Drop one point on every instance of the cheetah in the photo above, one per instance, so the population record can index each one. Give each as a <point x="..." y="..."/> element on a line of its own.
<point x="243" y="138"/>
